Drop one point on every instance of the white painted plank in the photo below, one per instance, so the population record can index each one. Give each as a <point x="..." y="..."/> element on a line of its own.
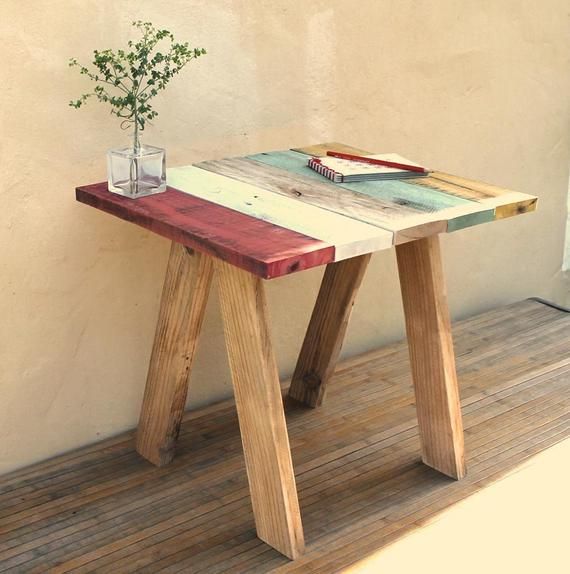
<point x="349" y="236"/>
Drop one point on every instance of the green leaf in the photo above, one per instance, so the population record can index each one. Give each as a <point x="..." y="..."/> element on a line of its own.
<point x="129" y="78"/>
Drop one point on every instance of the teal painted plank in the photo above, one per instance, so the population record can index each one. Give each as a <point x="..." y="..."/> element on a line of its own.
<point x="470" y="219"/>
<point x="423" y="199"/>
<point x="291" y="161"/>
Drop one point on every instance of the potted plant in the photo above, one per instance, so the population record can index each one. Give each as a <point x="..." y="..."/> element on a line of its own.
<point x="128" y="80"/>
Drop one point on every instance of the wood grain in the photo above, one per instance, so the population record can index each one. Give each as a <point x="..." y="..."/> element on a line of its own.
<point x="458" y="216"/>
<point x="348" y="236"/>
<point x="407" y="208"/>
<point x="184" y="297"/>
<point x="428" y="194"/>
<point x="238" y="221"/>
<point x="260" y="411"/>
<point x="312" y="190"/>
<point x="409" y="192"/>
<point x="432" y="356"/>
<point x="507" y="203"/>
<point x="403" y="220"/>
<point x="326" y="331"/>
<point x="504" y="202"/>
<point x="252" y="244"/>
<point x="356" y="458"/>
<point x="511" y="204"/>
<point x="398" y="193"/>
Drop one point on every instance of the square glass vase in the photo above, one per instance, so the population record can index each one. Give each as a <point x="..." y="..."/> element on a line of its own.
<point x="136" y="173"/>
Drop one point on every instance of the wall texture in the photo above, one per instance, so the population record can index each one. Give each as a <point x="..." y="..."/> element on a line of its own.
<point x="477" y="88"/>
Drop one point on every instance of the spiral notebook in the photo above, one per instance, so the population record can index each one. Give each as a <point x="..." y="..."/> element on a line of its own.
<point x="344" y="170"/>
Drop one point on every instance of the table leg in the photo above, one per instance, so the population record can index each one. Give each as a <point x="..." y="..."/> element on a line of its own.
<point x="431" y="355"/>
<point x="260" y="410"/>
<point x="184" y="296"/>
<point x="327" y="328"/>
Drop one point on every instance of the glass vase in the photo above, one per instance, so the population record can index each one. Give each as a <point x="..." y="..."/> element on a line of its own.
<point x="136" y="172"/>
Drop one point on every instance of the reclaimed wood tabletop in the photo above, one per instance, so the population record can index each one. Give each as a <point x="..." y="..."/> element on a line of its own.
<point x="268" y="215"/>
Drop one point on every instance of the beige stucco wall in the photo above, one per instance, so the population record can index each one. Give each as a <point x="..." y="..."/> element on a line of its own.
<point x="477" y="88"/>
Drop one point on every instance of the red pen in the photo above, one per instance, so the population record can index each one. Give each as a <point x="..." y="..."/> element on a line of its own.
<point x="383" y="162"/>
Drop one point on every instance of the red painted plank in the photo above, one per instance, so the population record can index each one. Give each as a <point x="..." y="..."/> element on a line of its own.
<point x="260" y="247"/>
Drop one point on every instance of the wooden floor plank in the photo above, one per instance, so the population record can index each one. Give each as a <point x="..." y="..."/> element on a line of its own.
<point x="357" y="465"/>
<point x="325" y="470"/>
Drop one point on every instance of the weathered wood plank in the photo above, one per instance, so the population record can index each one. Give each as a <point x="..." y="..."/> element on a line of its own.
<point x="504" y="202"/>
<point x="314" y="191"/>
<point x="405" y="222"/>
<point x="457" y="218"/>
<point x="348" y="236"/>
<point x="260" y="411"/>
<point x="452" y="184"/>
<point x="431" y="355"/>
<point x="500" y="201"/>
<point x="485" y="190"/>
<point x="291" y="161"/>
<point x="184" y="297"/>
<point x="511" y="204"/>
<point x="467" y="216"/>
<point x="427" y="211"/>
<point x="327" y="327"/>
<point x="433" y="181"/>
<point x="408" y="193"/>
<point x="252" y="244"/>
<point x="412" y="190"/>
<point x="507" y="203"/>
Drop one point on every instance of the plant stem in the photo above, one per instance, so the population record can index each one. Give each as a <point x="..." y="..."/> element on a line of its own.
<point x="136" y="140"/>
<point x="136" y="150"/>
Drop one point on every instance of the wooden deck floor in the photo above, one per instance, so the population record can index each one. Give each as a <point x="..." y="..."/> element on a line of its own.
<point x="360" y="481"/>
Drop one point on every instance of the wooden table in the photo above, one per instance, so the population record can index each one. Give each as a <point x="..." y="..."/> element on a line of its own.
<point x="268" y="215"/>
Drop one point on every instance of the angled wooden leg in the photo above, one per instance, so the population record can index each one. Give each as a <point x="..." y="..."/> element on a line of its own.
<point x="431" y="355"/>
<point x="326" y="330"/>
<point x="260" y="410"/>
<point x="184" y="297"/>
